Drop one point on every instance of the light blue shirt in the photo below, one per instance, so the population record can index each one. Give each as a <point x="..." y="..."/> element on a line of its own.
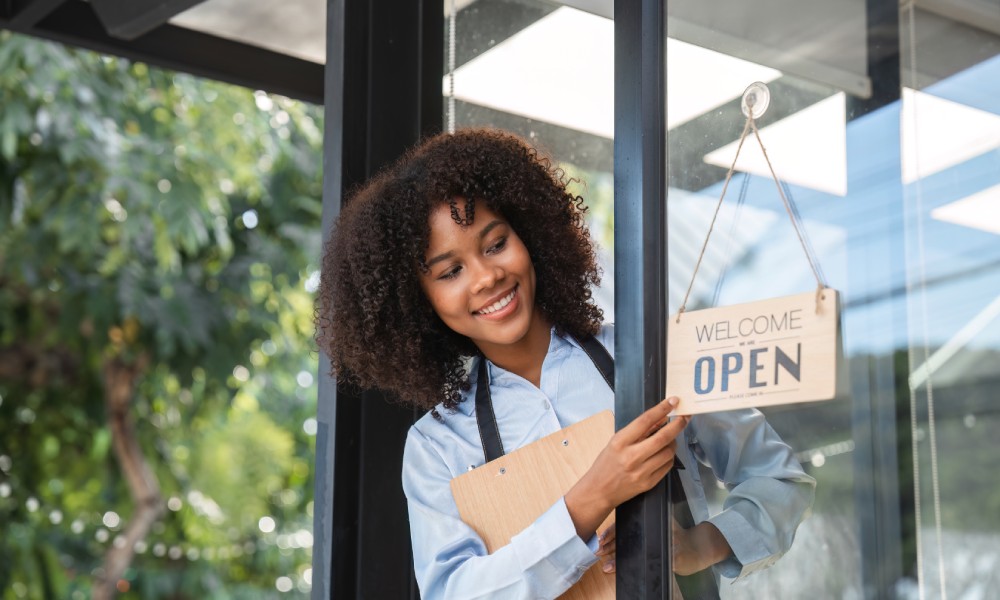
<point x="768" y="491"/>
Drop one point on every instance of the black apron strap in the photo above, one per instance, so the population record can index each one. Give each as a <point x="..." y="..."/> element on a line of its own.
<point x="699" y="586"/>
<point x="602" y="360"/>
<point x="486" y="419"/>
<point x="489" y="433"/>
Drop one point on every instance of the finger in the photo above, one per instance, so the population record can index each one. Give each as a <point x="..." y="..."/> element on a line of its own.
<point x="606" y="544"/>
<point x="649" y="420"/>
<point x="656" y="427"/>
<point x="608" y="535"/>
<point x="609" y="567"/>
<point x="659" y="473"/>
<point x="667" y="434"/>
<point x="674" y="401"/>
<point x="662" y="458"/>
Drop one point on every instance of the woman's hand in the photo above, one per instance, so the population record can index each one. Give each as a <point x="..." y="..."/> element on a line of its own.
<point x="635" y="459"/>
<point x="606" y="548"/>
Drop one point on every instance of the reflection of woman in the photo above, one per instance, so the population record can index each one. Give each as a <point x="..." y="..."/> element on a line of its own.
<point x="470" y="246"/>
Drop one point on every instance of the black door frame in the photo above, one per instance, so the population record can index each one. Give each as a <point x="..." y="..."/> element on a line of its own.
<point x="383" y="89"/>
<point x="643" y="531"/>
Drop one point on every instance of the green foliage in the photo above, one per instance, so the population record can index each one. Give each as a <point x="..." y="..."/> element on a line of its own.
<point x="246" y="452"/>
<point x="160" y="219"/>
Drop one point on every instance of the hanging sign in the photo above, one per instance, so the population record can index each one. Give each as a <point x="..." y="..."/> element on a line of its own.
<point x="775" y="351"/>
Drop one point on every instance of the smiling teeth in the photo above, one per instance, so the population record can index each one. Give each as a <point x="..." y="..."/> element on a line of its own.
<point x="502" y="302"/>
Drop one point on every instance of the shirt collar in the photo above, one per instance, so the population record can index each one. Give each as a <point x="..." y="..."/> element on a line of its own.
<point x="557" y="342"/>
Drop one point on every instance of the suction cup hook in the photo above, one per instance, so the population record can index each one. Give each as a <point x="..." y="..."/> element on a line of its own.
<point x="756" y="99"/>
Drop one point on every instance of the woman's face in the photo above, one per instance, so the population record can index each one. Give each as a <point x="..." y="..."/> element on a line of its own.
<point x="480" y="279"/>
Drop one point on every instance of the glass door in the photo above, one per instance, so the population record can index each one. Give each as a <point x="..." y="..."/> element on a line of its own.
<point x="883" y="130"/>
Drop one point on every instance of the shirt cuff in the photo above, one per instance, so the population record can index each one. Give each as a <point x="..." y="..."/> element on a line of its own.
<point x="552" y="538"/>
<point x="749" y="551"/>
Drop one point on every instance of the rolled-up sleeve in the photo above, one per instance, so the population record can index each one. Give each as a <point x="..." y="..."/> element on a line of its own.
<point x="769" y="493"/>
<point x="451" y="561"/>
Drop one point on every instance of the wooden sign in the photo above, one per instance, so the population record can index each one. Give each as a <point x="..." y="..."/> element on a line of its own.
<point x="775" y="351"/>
<point x="503" y="497"/>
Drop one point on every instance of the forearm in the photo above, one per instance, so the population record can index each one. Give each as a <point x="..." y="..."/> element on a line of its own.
<point x="588" y="507"/>
<point x="699" y="548"/>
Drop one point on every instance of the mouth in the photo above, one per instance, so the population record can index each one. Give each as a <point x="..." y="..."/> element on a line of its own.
<point x="499" y="307"/>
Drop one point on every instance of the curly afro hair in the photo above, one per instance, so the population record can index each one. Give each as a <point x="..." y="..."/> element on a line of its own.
<point x="372" y="317"/>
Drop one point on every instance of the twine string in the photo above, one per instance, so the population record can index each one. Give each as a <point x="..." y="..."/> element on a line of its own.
<point x="730" y="236"/>
<point x="715" y="215"/>
<point x="798" y="219"/>
<point x="788" y="209"/>
<point x="813" y="262"/>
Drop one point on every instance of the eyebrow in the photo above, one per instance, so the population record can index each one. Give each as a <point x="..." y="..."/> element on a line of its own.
<point x="446" y="255"/>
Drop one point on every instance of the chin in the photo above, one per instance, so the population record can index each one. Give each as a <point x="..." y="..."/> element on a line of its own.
<point x="504" y="338"/>
<point x="505" y="334"/>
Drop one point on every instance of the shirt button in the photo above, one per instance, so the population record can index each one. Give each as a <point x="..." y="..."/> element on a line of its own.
<point x="546" y="405"/>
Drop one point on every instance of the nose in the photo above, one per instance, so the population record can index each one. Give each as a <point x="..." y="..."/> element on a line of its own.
<point x="487" y="275"/>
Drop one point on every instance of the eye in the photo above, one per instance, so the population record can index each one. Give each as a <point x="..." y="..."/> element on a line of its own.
<point x="451" y="273"/>
<point x="497" y="246"/>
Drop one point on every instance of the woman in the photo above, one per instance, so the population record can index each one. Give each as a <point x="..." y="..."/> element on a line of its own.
<point x="470" y="247"/>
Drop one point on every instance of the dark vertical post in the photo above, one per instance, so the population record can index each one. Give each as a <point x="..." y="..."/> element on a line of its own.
<point x="382" y="93"/>
<point x="883" y="486"/>
<point x="326" y="405"/>
<point x="640" y="275"/>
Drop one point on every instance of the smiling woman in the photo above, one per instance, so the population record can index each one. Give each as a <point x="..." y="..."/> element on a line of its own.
<point x="481" y="283"/>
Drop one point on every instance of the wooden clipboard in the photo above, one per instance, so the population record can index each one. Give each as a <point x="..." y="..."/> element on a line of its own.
<point x="501" y="498"/>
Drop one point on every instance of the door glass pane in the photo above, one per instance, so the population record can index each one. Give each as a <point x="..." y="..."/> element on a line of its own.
<point x="951" y="183"/>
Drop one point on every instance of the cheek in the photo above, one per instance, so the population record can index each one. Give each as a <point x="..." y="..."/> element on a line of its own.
<point x="524" y="262"/>
<point x="428" y="292"/>
<point x="433" y="298"/>
<point x="443" y="300"/>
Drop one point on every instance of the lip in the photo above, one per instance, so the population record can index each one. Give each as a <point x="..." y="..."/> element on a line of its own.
<point x="503" y="312"/>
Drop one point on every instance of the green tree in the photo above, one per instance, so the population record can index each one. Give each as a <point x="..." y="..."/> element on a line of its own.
<point x="158" y="241"/>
